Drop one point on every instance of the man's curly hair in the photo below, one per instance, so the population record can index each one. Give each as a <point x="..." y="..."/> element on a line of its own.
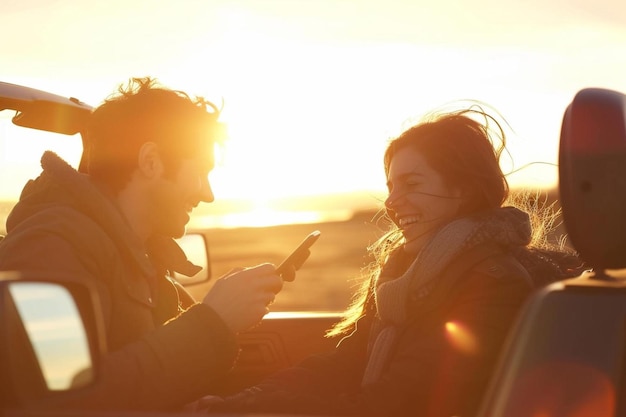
<point x="140" y="111"/>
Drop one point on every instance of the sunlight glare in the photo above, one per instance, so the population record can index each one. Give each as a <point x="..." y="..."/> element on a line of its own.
<point x="550" y="388"/>
<point x="461" y="337"/>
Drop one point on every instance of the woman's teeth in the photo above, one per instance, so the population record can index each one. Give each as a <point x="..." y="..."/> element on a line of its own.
<point x="408" y="220"/>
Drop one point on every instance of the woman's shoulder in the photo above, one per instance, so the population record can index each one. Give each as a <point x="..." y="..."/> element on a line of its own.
<point x="502" y="265"/>
<point x="483" y="272"/>
<point x="487" y="262"/>
<point x="534" y="266"/>
<point x="520" y="269"/>
<point x="496" y="278"/>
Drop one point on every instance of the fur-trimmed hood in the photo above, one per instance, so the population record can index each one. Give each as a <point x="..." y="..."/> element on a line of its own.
<point x="60" y="185"/>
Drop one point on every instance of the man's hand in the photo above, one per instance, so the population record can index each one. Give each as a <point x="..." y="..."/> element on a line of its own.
<point x="241" y="297"/>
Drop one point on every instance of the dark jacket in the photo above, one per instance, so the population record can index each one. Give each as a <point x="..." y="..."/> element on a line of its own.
<point x="441" y="365"/>
<point x="162" y="353"/>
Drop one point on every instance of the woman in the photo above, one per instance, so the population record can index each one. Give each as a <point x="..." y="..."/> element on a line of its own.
<point x="448" y="279"/>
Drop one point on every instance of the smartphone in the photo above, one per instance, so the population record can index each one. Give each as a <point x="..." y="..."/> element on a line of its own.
<point x="299" y="255"/>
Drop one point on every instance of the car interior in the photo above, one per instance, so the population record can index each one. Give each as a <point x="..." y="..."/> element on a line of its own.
<point x="564" y="356"/>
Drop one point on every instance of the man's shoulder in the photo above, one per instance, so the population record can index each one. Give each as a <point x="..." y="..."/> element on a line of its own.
<point x="55" y="238"/>
<point x="61" y="218"/>
<point x="61" y="223"/>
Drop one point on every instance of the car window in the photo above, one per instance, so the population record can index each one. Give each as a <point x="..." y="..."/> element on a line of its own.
<point x="20" y="153"/>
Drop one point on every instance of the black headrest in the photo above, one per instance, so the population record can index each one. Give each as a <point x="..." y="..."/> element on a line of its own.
<point x="592" y="176"/>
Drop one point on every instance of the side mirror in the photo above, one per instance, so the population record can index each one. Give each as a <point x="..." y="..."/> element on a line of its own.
<point x="195" y="247"/>
<point x="50" y="340"/>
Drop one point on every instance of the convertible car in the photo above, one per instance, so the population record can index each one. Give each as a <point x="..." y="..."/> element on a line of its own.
<point x="564" y="357"/>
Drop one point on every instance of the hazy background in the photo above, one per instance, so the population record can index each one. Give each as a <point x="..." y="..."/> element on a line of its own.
<point x="313" y="89"/>
<point x="312" y="92"/>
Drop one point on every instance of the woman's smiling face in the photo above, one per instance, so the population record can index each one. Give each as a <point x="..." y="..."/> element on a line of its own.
<point x="419" y="200"/>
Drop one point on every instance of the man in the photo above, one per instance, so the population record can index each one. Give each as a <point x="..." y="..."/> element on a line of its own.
<point x="149" y="155"/>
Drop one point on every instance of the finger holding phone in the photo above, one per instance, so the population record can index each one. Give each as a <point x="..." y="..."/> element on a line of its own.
<point x="242" y="296"/>
<point x="287" y="269"/>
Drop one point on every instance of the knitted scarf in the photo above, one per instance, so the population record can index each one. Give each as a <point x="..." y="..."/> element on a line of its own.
<point x="506" y="226"/>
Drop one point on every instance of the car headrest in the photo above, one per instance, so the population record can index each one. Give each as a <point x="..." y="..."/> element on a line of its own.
<point x="592" y="176"/>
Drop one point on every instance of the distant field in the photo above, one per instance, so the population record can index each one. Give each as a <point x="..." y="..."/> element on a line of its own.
<point x="5" y="209"/>
<point x="327" y="279"/>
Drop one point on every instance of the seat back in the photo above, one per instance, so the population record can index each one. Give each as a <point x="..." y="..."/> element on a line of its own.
<point x="566" y="354"/>
<point x="592" y="176"/>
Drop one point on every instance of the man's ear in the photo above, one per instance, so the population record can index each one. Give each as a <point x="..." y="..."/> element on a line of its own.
<point x="149" y="161"/>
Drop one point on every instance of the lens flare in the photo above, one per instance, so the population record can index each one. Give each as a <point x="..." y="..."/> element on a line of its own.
<point x="563" y="389"/>
<point x="461" y="337"/>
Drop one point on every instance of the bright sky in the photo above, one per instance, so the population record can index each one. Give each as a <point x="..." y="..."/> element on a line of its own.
<point x="313" y="89"/>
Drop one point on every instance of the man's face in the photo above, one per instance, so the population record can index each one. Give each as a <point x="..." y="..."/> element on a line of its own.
<point x="177" y="195"/>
